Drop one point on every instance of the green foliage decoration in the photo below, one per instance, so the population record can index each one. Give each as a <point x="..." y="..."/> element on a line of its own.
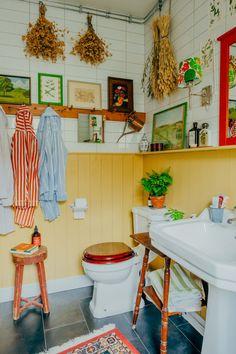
<point x="156" y="184"/>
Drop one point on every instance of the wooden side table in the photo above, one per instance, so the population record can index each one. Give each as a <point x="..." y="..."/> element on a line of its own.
<point x="20" y="261"/>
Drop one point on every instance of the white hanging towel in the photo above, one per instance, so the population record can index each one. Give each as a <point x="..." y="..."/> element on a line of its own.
<point x="6" y="178"/>
<point x="185" y="294"/>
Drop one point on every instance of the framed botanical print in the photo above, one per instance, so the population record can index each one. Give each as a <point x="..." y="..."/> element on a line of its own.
<point x="85" y="95"/>
<point x="50" y="89"/>
<point x="169" y="127"/>
<point x="15" y="89"/>
<point x="120" y="95"/>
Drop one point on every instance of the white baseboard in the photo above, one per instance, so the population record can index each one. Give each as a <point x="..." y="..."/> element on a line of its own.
<point x="196" y="321"/>
<point x="53" y="286"/>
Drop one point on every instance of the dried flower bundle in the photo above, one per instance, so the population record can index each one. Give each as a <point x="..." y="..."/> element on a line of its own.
<point x="43" y="39"/>
<point x="90" y="47"/>
<point x="160" y="71"/>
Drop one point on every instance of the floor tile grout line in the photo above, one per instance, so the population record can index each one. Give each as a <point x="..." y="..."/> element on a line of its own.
<point x="125" y="314"/>
<point x="84" y="316"/>
<point x="188" y="339"/>
<point x="64" y="325"/>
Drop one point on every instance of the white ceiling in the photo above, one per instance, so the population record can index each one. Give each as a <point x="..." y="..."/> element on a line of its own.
<point x="135" y="8"/>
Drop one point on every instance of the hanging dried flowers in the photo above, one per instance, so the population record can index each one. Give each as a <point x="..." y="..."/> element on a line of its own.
<point x="43" y="39"/>
<point x="90" y="47"/>
<point x="160" y="71"/>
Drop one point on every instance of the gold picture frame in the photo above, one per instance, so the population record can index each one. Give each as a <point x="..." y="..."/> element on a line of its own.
<point x="85" y="95"/>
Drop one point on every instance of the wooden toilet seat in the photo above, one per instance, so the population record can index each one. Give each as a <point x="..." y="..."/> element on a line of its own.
<point x="108" y="253"/>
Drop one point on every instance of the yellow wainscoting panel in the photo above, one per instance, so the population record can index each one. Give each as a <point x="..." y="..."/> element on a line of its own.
<point x="197" y="177"/>
<point x="110" y="182"/>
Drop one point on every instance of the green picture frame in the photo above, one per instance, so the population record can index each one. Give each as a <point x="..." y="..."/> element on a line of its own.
<point x="169" y="127"/>
<point x="50" y="89"/>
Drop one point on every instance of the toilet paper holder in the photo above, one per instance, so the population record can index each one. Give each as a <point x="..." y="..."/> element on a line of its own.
<point x="79" y="208"/>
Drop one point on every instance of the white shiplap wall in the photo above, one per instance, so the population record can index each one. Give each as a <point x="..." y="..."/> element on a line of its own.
<point x="189" y="30"/>
<point x="126" y="44"/>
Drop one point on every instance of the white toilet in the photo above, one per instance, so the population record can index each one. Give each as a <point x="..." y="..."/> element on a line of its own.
<point x="115" y="267"/>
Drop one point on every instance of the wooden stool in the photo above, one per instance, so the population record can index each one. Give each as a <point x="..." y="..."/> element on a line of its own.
<point x="20" y="261"/>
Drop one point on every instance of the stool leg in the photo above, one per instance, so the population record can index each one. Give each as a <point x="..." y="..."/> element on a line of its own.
<point x="164" y="312"/>
<point x="17" y="291"/>
<point x="140" y="287"/>
<point x="43" y="286"/>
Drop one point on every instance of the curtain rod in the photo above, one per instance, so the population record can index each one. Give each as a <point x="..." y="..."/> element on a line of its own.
<point x="102" y="13"/>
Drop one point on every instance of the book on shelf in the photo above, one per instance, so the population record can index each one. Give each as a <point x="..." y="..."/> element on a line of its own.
<point x="24" y="248"/>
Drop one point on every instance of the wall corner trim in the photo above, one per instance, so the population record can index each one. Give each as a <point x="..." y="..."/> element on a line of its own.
<point x="53" y="286"/>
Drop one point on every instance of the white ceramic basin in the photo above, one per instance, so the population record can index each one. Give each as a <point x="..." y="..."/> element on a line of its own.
<point x="209" y="251"/>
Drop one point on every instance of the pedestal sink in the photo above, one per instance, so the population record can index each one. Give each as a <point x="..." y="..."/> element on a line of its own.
<point x="209" y="251"/>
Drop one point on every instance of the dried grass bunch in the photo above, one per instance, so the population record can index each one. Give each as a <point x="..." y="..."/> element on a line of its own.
<point x="90" y="47"/>
<point x="43" y="39"/>
<point x="160" y="70"/>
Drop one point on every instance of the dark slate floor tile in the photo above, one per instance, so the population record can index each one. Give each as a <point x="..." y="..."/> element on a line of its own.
<point x="60" y="335"/>
<point x="30" y="325"/>
<point x="139" y="346"/>
<point x="178" y="320"/>
<point x="149" y="328"/>
<point x="193" y="335"/>
<point x="120" y="321"/>
<point x="65" y="308"/>
<point x="24" y="336"/>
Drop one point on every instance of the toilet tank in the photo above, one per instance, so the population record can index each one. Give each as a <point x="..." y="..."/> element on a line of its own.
<point x="143" y="216"/>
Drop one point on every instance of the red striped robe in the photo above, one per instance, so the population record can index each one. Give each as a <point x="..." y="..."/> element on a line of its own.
<point x="25" y="160"/>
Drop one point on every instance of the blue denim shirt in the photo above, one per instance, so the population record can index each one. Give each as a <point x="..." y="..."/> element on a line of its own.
<point x="52" y="164"/>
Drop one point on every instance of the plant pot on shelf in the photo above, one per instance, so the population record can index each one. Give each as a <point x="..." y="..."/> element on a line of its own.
<point x="158" y="202"/>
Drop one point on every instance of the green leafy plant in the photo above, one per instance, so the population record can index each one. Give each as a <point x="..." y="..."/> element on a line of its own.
<point x="175" y="214"/>
<point x="156" y="184"/>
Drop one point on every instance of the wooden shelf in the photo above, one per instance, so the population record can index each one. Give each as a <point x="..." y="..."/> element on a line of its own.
<point x="180" y="151"/>
<point x="71" y="112"/>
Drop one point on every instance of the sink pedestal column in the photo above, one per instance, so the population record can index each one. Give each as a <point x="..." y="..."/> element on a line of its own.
<point x="220" y="328"/>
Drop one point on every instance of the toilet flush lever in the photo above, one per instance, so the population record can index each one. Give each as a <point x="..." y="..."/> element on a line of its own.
<point x="79" y="208"/>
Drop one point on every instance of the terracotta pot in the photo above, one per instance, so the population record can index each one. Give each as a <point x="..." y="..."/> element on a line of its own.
<point x="158" y="202"/>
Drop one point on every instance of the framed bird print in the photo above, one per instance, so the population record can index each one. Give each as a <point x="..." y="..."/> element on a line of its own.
<point x="50" y="89"/>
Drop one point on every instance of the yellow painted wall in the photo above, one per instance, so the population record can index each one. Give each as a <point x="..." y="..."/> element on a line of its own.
<point x="197" y="177"/>
<point x="110" y="182"/>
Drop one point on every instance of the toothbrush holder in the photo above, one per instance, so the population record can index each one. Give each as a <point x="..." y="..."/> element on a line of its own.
<point x="216" y="214"/>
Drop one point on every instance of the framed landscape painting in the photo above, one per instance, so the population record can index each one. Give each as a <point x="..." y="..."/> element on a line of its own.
<point x="15" y="89"/>
<point x="120" y="95"/>
<point x="169" y="127"/>
<point x="50" y="89"/>
<point x="85" y="95"/>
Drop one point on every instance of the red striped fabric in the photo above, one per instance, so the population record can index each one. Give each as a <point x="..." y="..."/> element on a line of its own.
<point x="25" y="161"/>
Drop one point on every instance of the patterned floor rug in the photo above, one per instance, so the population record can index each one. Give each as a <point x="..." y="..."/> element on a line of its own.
<point x="108" y="340"/>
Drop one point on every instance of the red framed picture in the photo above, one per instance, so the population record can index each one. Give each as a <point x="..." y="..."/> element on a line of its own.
<point x="227" y="113"/>
<point x="120" y="95"/>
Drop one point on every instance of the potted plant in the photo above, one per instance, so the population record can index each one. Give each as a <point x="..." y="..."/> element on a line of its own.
<point x="156" y="184"/>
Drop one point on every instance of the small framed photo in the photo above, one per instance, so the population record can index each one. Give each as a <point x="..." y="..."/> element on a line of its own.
<point x="50" y="89"/>
<point x="15" y="89"/>
<point x="169" y="127"/>
<point x="85" y="95"/>
<point x="120" y="95"/>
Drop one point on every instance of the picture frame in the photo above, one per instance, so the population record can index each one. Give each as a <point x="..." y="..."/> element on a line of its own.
<point x="169" y="127"/>
<point x="15" y="89"/>
<point x="50" y="89"/>
<point x="120" y="95"/>
<point x="85" y="95"/>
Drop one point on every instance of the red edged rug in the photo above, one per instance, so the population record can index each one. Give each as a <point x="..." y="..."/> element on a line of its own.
<point x="110" y="342"/>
